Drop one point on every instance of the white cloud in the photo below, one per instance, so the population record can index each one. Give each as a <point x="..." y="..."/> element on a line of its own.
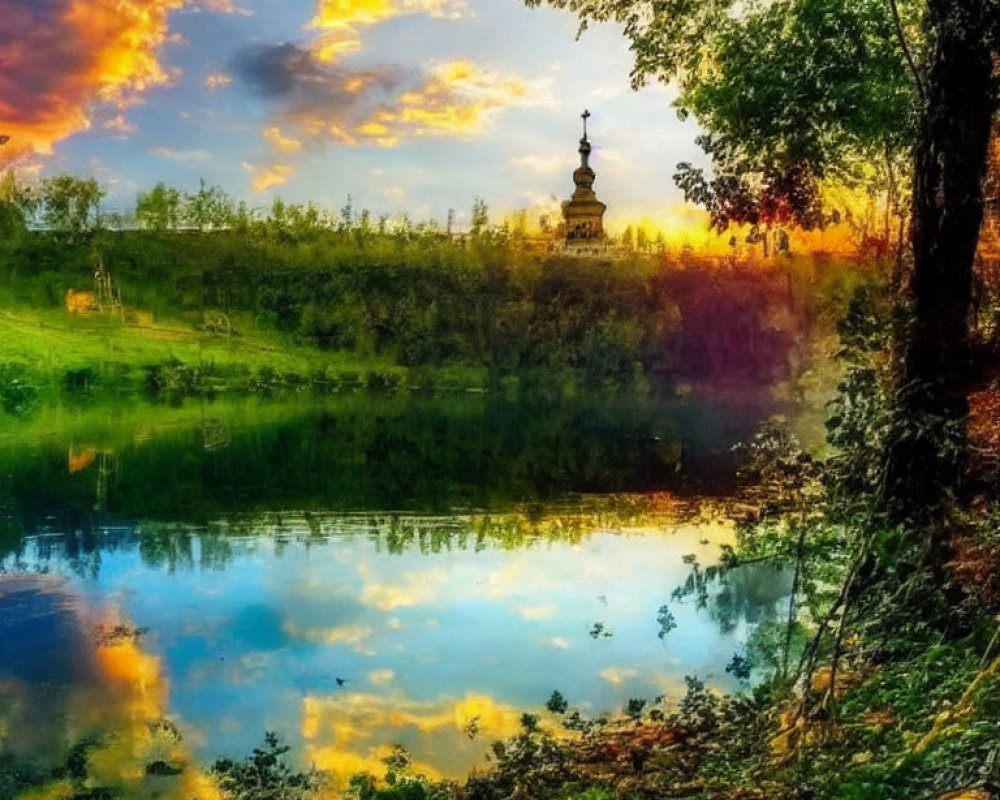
<point x="180" y="155"/>
<point x="543" y="165"/>
<point x="617" y="676"/>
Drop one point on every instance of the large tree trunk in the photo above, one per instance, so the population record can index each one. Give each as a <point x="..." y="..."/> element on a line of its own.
<point x="927" y="438"/>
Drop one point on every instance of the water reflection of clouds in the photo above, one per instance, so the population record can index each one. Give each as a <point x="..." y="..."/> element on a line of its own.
<point x="410" y="589"/>
<point x="350" y="732"/>
<point x="103" y="690"/>
<point x="618" y="676"/>
<point x="344" y="646"/>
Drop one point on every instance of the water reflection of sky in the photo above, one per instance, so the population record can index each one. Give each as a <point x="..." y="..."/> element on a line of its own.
<point x="428" y="646"/>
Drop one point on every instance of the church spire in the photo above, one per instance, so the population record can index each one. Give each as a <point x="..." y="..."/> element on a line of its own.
<point x="584" y="144"/>
<point x="583" y="212"/>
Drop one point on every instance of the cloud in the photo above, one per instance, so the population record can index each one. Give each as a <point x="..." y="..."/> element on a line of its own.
<point x="294" y="77"/>
<point x="180" y="155"/>
<point x="535" y="613"/>
<point x="543" y="165"/>
<point x="609" y="91"/>
<point x="341" y="21"/>
<point x="383" y="104"/>
<point x="218" y="80"/>
<point x="612" y="161"/>
<point x="617" y="676"/>
<point x="265" y="178"/>
<point x="342" y="730"/>
<point x="281" y="143"/>
<point x="381" y="676"/>
<point x="416" y="588"/>
<point x="120" y="124"/>
<point x="354" y="636"/>
<point x="457" y="99"/>
<point x="62" y="59"/>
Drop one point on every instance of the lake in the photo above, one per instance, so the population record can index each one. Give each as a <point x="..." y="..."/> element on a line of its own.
<point x="355" y="575"/>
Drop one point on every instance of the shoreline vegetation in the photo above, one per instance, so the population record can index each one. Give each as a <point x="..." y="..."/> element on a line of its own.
<point x="297" y="301"/>
<point x="888" y="692"/>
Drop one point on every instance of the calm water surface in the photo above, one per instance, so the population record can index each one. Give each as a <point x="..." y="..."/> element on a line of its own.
<point x="354" y="577"/>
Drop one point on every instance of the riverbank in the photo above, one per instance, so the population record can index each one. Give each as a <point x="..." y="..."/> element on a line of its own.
<point x="198" y="314"/>
<point x="51" y="357"/>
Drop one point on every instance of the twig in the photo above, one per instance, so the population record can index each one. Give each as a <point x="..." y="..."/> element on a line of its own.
<point x="954" y="714"/>
<point x="906" y="50"/>
<point x="800" y="547"/>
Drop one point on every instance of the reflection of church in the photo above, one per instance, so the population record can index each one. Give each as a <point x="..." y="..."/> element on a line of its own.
<point x="583" y="213"/>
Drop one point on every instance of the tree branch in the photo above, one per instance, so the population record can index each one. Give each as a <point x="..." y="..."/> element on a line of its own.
<point x="906" y="50"/>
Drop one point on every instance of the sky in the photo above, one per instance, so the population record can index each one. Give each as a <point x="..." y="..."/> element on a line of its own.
<point x="252" y="633"/>
<point x="408" y="106"/>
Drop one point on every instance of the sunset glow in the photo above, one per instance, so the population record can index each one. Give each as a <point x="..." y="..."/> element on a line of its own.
<point x="414" y="105"/>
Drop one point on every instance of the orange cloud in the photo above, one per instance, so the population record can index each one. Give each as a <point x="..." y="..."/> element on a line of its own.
<point x="342" y="731"/>
<point x="265" y="178"/>
<point x="340" y="20"/>
<point x="64" y="58"/>
<point x="456" y="99"/>
<point x="281" y="143"/>
<point x="384" y="104"/>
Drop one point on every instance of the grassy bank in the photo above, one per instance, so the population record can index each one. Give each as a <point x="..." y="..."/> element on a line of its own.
<point x="330" y="309"/>
<point x="48" y="356"/>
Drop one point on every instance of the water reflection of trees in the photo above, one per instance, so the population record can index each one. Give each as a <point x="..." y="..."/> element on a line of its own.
<point x="751" y="593"/>
<point x="179" y="547"/>
<point x="175" y="548"/>
<point x="402" y="454"/>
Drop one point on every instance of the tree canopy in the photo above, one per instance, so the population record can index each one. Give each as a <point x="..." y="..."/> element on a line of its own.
<point x="788" y="92"/>
<point x="793" y="91"/>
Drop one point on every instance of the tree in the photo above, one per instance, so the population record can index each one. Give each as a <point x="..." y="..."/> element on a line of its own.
<point x="265" y="775"/>
<point x="628" y="239"/>
<point x="69" y="204"/>
<point x="927" y="437"/>
<point x="641" y="239"/>
<point x="209" y="207"/>
<point x="789" y="92"/>
<point x="159" y="209"/>
<point x="18" y="202"/>
<point x="828" y="89"/>
<point x="480" y="217"/>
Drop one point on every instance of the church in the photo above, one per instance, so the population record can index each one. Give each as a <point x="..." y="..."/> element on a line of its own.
<point x="583" y="213"/>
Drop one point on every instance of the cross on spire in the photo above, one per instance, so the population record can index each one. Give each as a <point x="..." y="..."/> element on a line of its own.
<point x="585" y="116"/>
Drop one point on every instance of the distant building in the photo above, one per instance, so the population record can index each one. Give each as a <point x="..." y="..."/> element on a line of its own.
<point x="583" y="213"/>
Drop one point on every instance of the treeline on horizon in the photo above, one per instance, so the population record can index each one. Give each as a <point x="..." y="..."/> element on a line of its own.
<point x="417" y="297"/>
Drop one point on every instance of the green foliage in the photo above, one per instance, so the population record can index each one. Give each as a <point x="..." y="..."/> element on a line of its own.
<point x="666" y="620"/>
<point x="739" y="667"/>
<point x="69" y="204"/>
<point x="530" y="762"/>
<point x="402" y="295"/>
<point x="699" y="708"/>
<point x="787" y="91"/>
<point x="18" y="392"/>
<point x="634" y="707"/>
<point x="159" y="209"/>
<point x="264" y="775"/>
<point x="365" y="787"/>
<point x="598" y="631"/>
<point x="480" y="217"/>
<point x="557" y="704"/>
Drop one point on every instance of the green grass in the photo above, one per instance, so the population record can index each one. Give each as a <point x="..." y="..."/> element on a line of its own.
<point x="54" y="341"/>
<point x="44" y="348"/>
<point x="112" y="427"/>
